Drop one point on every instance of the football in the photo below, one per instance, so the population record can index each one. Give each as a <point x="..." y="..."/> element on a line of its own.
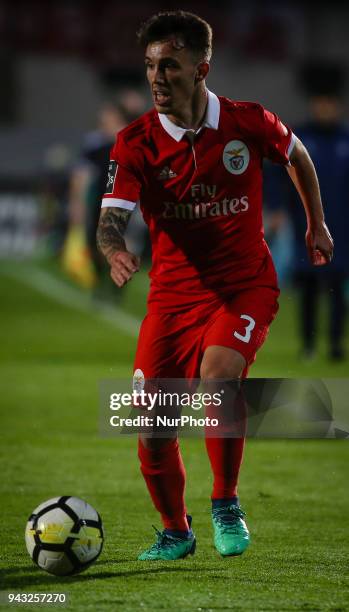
<point x="64" y="535"/>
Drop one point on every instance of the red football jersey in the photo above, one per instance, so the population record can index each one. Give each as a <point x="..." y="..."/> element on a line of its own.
<point x="200" y="193"/>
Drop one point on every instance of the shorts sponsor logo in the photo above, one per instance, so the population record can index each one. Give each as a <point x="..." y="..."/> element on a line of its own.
<point x="236" y="157"/>
<point x="112" y="168"/>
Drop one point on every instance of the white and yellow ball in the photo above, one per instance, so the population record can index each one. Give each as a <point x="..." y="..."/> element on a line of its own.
<point x="64" y="535"/>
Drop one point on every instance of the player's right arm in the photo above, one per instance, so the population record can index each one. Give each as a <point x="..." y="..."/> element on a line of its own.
<point x="120" y="199"/>
<point x="110" y="241"/>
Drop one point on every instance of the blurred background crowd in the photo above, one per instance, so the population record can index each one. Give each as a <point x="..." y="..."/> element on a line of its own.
<point x="73" y="76"/>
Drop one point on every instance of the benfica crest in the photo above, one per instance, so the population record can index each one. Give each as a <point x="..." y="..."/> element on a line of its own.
<point x="236" y="157"/>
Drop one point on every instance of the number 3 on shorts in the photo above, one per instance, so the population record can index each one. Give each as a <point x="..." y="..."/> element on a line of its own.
<point x="251" y="325"/>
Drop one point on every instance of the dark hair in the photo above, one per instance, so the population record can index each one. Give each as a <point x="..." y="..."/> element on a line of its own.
<point x="192" y="31"/>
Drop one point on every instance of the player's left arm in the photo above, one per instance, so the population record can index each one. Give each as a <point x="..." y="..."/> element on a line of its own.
<point x="303" y="174"/>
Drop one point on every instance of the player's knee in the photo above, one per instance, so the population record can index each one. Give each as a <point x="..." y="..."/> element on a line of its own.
<point x="221" y="362"/>
<point x="212" y="371"/>
<point x="153" y="444"/>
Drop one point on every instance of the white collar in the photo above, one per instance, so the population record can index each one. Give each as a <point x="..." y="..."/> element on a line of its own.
<point x="211" y="119"/>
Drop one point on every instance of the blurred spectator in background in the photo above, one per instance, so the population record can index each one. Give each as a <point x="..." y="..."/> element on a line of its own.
<point x="87" y="184"/>
<point x="132" y="103"/>
<point x="326" y="137"/>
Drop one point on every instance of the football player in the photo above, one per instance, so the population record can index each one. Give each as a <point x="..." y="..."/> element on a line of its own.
<point x="194" y="164"/>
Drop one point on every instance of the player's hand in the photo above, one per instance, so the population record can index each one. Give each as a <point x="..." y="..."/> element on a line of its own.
<point x="319" y="245"/>
<point x="123" y="266"/>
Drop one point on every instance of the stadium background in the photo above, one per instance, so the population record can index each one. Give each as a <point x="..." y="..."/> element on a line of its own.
<point x="59" y="62"/>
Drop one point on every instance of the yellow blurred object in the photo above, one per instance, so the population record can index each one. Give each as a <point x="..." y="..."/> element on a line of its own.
<point x="76" y="260"/>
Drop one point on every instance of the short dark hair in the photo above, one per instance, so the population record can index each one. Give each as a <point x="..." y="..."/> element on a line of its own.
<point x="191" y="30"/>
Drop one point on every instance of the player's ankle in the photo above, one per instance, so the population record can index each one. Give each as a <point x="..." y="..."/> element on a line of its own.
<point x="225" y="501"/>
<point x="179" y="533"/>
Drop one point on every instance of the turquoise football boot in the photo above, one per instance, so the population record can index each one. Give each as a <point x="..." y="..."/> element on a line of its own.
<point x="169" y="548"/>
<point x="231" y="536"/>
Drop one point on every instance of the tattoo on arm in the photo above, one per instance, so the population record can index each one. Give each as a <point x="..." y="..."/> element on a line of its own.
<point x="111" y="227"/>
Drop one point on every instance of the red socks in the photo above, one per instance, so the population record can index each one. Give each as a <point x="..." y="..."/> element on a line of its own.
<point x="225" y="455"/>
<point x="226" y="450"/>
<point x="164" y="474"/>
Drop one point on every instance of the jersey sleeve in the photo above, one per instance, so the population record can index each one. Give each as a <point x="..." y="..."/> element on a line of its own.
<point x="124" y="178"/>
<point x="278" y="139"/>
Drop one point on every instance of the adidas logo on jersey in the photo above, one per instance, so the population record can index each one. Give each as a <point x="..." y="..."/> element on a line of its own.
<point x="166" y="174"/>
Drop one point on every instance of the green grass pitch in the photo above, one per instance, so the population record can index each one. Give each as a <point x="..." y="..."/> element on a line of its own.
<point x="295" y="493"/>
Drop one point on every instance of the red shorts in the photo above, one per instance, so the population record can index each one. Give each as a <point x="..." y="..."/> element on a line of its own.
<point x="173" y="345"/>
